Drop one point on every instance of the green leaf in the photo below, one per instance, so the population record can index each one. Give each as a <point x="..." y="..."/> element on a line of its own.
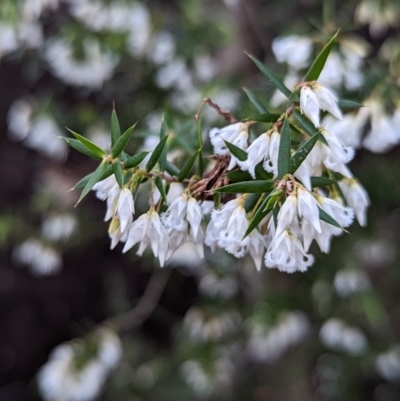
<point x="80" y="147"/>
<point x="301" y="153"/>
<point x="251" y="201"/>
<point x="90" y="145"/>
<point x="82" y="183"/>
<point x="163" y="133"/>
<point x="284" y="150"/>
<point x="121" y="143"/>
<point x="264" y="118"/>
<point x="118" y="172"/>
<point x="349" y="104"/>
<point x="240" y="154"/>
<point x="95" y="178"/>
<point x="156" y="154"/>
<point x="319" y="63"/>
<point x="256" y="103"/>
<point x="115" y="129"/>
<point x="328" y="219"/>
<point x="200" y="148"/>
<point x="160" y="187"/>
<point x="239" y="176"/>
<point x="247" y="187"/>
<point x="217" y="200"/>
<point x="261" y="174"/>
<point x="321" y="182"/>
<point x="172" y="169"/>
<point x="305" y="122"/>
<point x="271" y="76"/>
<point x="258" y="216"/>
<point x="295" y="96"/>
<point x="135" y="160"/>
<point x="187" y="167"/>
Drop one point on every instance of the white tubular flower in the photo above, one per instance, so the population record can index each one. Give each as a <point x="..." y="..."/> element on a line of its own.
<point x="356" y="197"/>
<point x="323" y="238"/>
<point x="228" y="133"/>
<point x="327" y="101"/>
<point x="104" y="187"/>
<point x="271" y="164"/>
<point x="257" y="152"/>
<point x="383" y="134"/>
<point x="294" y="50"/>
<point x="287" y="254"/>
<point x="256" y="247"/>
<point x="343" y="215"/>
<point x="287" y="214"/>
<point x="173" y="218"/>
<point x="338" y="154"/>
<point x="308" y="208"/>
<point x="194" y="216"/>
<point x="125" y="208"/>
<point x="112" y="202"/>
<point x="240" y="142"/>
<point x="309" y="105"/>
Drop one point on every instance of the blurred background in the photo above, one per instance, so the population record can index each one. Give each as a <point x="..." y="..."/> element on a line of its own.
<point x="204" y="329"/>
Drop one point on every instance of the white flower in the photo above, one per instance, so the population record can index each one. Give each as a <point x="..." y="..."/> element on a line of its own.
<point x="228" y="133"/>
<point x="383" y="134"/>
<point x="343" y="215"/>
<point x="256" y="247"/>
<point x="271" y="164"/>
<point x="294" y="50"/>
<point x="387" y="364"/>
<point x="327" y="101"/>
<point x="356" y="197"/>
<point x="308" y="208"/>
<point x="256" y="153"/>
<point x="58" y="227"/>
<point x="309" y="105"/>
<point x="147" y="229"/>
<point x="104" y="187"/>
<point x="194" y="215"/>
<point x="287" y="254"/>
<point x="240" y="142"/>
<point x="290" y="80"/>
<point x="125" y="208"/>
<point x="348" y="282"/>
<point x="8" y="39"/>
<point x="287" y="215"/>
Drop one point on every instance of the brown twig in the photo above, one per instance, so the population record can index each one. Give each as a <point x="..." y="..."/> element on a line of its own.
<point x="226" y="114"/>
<point x="146" y="305"/>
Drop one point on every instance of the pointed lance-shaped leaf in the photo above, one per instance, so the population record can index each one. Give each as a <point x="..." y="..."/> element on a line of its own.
<point x="302" y="152"/>
<point x="264" y="118"/>
<point x="247" y="187"/>
<point x="187" y="167"/>
<point x="319" y="63"/>
<point x="115" y="128"/>
<point x="258" y="216"/>
<point x="163" y="133"/>
<point x="261" y="174"/>
<point x="135" y="160"/>
<point x="305" y="122"/>
<point x="156" y="154"/>
<point x="161" y="189"/>
<point x="271" y="76"/>
<point x="328" y="219"/>
<point x="80" y="147"/>
<point x="239" y="176"/>
<point x="118" y="173"/>
<point x="240" y="154"/>
<point x="121" y="143"/>
<point x="349" y="104"/>
<point x="95" y="178"/>
<point x="82" y="182"/>
<point x="284" y="150"/>
<point x="90" y="145"/>
<point x="256" y="103"/>
<point x="321" y="182"/>
<point x="172" y="169"/>
<point x="251" y="202"/>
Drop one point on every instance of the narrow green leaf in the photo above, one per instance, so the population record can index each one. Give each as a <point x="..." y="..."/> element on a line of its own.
<point x="258" y="216"/>
<point x="95" y="177"/>
<point x="305" y="122"/>
<point x="156" y="154"/>
<point x="295" y="96"/>
<point x="275" y="212"/>
<point x="301" y="153"/>
<point x="118" y="172"/>
<point x="122" y="141"/>
<point x="349" y="104"/>
<point x="161" y="189"/>
<point x="217" y="200"/>
<point x="251" y="201"/>
<point x="135" y="160"/>
<point x="328" y="219"/>
<point x="172" y="169"/>
<point x="256" y="103"/>
<point x="264" y="118"/>
<point x="240" y="154"/>
<point x="187" y="167"/>
<point x="319" y="63"/>
<point x="163" y="133"/>
<point x="115" y="129"/>
<point x="200" y="148"/>
<point x="321" y="182"/>
<point x="82" y="183"/>
<point x="239" y="176"/>
<point x="247" y="187"/>
<point x="284" y="150"/>
<point x="80" y="147"/>
<point x="261" y="174"/>
<point x="271" y="76"/>
<point x="201" y="164"/>
<point x="90" y="145"/>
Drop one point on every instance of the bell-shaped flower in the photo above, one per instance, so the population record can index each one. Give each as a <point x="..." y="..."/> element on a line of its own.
<point x="228" y="133"/>
<point x="256" y="153"/>
<point x="256" y="247"/>
<point x="194" y="216"/>
<point x="307" y="207"/>
<point x="356" y="197"/>
<point x="294" y="50"/>
<point x="327" y="100"/>
<point x="112" y="199"/>
<point x="287" y="214"/>
<point x="342" y="214"/>
<point x="174" y="217"/>
<point x="241" y="142"/>
<point x="271" y="164"/>
<point x="103" y="187"/>
<point x="309" y="105"/>
<point x="287" y="253"/>
<point x="125" y="208"/>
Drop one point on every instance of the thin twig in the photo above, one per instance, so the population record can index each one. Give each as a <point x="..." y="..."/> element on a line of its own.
<point x="146" y="305"/>
<point x="226" y="114"/>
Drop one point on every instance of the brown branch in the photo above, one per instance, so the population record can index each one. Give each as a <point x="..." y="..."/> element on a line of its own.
<point x="226" y="114"/>
<point x="146" y="305"/>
